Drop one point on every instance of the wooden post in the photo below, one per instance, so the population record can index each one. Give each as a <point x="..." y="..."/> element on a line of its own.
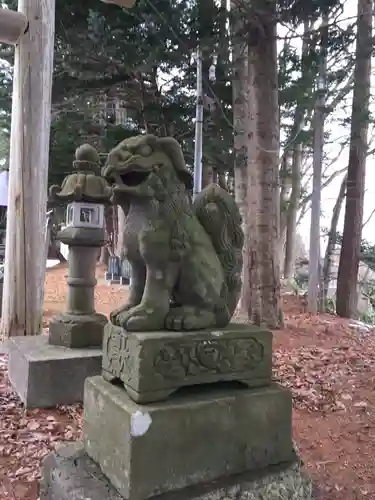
<point x="28" y="173"/>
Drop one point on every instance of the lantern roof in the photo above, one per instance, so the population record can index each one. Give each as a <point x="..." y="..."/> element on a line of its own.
<point x="85" y="184"/>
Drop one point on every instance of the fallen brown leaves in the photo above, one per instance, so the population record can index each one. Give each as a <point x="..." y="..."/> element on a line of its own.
<point x="316" y="375"/>
<point x="26" y="436"/>
<point x="327" y="364"/>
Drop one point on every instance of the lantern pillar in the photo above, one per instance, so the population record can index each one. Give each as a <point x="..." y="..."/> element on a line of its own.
<point x="80" y="325"/>
<point x="81" y="278"/>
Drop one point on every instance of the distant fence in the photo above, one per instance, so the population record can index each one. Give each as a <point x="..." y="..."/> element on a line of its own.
<point x="118" y="270"/>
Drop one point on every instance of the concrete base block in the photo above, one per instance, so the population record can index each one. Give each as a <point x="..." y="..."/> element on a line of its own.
<point x="198" y="435"/>
<point x="69" y="474"/>
<point x="45" y="375"/>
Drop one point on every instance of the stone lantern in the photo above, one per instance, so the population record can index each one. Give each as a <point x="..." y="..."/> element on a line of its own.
<point x="85" y="193"/>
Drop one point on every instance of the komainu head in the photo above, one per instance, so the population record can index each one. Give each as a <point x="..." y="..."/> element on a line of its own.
<point x="146" y="166"/>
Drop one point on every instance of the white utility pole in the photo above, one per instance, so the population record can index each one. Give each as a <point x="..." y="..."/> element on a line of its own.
<point x="198" y="149"/>
<point x="318" y="144"/>
<point x="28" y="167"/>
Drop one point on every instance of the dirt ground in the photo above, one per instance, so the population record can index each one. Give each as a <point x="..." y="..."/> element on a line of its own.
<point x="328" y="364"/>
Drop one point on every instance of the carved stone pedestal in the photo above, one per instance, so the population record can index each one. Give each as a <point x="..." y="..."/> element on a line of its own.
<point x="153" y="365"/>
<point x="214" y="426"/>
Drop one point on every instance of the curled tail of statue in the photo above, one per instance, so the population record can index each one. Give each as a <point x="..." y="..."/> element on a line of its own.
<point x="218" y="213"/>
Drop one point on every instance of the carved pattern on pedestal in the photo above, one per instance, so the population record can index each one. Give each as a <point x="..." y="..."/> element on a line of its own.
<point x="208" y="356"/>
<point x="116" y="354"/>
<point x="176" y="360"/>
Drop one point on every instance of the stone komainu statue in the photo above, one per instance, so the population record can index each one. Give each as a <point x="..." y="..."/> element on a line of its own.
<point x="186" y="258"/>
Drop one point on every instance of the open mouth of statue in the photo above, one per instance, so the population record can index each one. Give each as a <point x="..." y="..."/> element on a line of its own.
<point x="134" y="177"/>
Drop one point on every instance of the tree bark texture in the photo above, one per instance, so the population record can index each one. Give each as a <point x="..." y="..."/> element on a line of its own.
<point x="292" y="211"/>
<point x="332" y="238"/>
<point x="285" y="190"/>
<point x="297" y="148"/>
<point x="263" y="186"/>
<point x="314" y="282"/>
<point x="346" y="300"/>
<point x="240" y="104"/>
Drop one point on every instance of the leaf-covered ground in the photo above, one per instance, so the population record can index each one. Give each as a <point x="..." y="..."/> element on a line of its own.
<point x="328" y="363"/>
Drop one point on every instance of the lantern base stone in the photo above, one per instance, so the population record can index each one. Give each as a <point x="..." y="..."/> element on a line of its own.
<point x="44" y="375"/>
<point x="77" y="330"/>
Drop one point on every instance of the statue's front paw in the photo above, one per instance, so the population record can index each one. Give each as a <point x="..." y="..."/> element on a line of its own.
<point x="117" y="312"/>
<point x="141" y="318"/>
<point x="122" y="317"/>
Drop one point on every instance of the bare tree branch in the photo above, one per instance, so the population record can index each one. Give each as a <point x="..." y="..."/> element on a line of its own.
<point x="332" y="177"/>
<point x="368" y="219"/>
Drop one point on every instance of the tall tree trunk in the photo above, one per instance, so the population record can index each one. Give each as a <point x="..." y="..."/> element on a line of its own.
<point x="314" y="292"/>
<point x="292" y="212"/>
<point x="240" y="99"/>
<point x="285" y="190"/>
<point x="252" y="300"/>
<point x="346" y="301"/>
<point x="263" y="167"/>
<point x="332" y="238"/>
<point x="299" y="116"/>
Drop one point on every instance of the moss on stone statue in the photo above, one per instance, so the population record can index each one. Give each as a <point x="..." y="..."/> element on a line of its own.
<point x="186" y="258"/>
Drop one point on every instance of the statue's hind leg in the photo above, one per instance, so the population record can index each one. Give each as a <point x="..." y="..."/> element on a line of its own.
<point x="189" y="318"/>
